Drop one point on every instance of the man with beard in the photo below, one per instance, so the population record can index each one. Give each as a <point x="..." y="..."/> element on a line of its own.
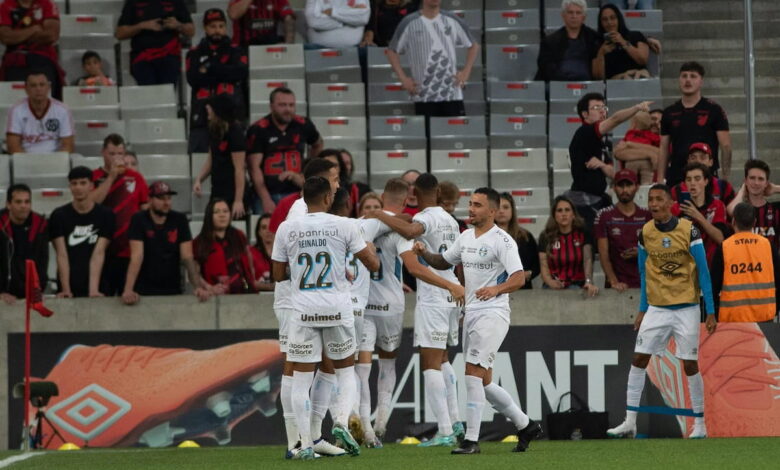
<point x="617" y="230"/>
<point x="214" y="67"/>
<point x="276" y="145"/>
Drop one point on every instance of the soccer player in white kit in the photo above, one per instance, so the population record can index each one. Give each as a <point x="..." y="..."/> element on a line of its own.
<point x="436" y="312"/>
<point x="492" y="269"/>
<point x="314" y="248"/>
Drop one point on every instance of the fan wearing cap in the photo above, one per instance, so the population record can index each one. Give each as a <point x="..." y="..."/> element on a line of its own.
<point x="700" y="207"/>
<point x="160" y="241"/>
<point x="256" y="22"/>
<point x="215" y="67"/>
<point x="699" y="152"/>
<point x="617" y="231"/>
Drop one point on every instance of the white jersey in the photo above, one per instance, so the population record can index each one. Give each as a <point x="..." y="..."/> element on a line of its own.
<point x="370" y="229"/>
<point x="40" y="134"/>
<point x="315" y="247"/>
<point x="487" y="261"/>
<point x="282" y="290"/>
<point x="440" y="232"/>
<point x="386" y="296"/>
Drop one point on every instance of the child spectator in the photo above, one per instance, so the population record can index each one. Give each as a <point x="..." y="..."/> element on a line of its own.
<point x="449" y="195"/>
<point x="131" y="160"/>
<point x="93" y="71"/>
<point x="639" y="149"/>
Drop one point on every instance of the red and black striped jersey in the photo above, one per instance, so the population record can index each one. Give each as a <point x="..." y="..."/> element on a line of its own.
<point x="566" y="257"/>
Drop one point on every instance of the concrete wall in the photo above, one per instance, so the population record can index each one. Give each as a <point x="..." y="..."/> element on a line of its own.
<point x="536" y="307"/>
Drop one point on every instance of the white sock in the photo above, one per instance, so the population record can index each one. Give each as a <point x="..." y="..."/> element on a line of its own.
<point x="347" y="386"/>
<point x="321" y="391"/>
<point x="384" y="392"/>
<point x="290" y="423"/>
<point x="503" y="403"/>
<point x="302" y="404"/>
<point x="636" y="383"/>
<point x="436" y="393"/>
<point x="696" y="388"/>
<point x="355" y="410"/>
<point x="475" y="401"/>
<point x="364" y="372"/>
<point x="451" y="381"/>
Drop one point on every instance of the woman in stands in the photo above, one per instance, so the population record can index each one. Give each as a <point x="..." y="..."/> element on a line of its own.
<point x="369" y="203"/>
<point x="222" y="252"/>
<point x="623" y="54"/>
<point x="261" y="254"/>
<point x="356" y="189"/>
<point x="506" y="219"/>
<point x="566" y="250"/>
<point x="385" y="17"/>
<point x="227" y="153"/>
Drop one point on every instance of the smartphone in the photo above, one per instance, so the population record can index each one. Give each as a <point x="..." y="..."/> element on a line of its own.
<point x="685" y="196"/>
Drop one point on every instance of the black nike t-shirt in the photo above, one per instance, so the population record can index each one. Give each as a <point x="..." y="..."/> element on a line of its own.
<point x="160" y="271"/>
<point x="81" y="233"/>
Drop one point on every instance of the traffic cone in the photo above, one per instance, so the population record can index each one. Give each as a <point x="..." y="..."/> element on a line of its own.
<point x="69" y="446"/>
<point x="510" y="438"/>
<point x="410" y="440"/>
<point x="188" y="445"/>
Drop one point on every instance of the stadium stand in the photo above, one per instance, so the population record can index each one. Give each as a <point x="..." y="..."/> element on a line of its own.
<point x="396" y="143"/>
<point x="459" y="150"/>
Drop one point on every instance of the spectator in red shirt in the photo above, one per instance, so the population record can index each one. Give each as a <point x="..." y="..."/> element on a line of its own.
<point x="700" y="152"/>
<point x="638" y="151"/>
<point x="256" y="22"/>
<point x="261" y="254"/>
<point x="125" y="192"/>
<point x="707" y="213"/>
<point x="449" y="196"/>
<point x="314" y="167"/>
<point x="566" y="250"/>
<point x="29" y="29"/>
<point x="155" y="28"/>
<point x="222" y="252"/>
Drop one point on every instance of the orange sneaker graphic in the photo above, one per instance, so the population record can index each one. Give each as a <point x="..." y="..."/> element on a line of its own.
<point x="741" y="374"/>
<point x="138" y="395"/>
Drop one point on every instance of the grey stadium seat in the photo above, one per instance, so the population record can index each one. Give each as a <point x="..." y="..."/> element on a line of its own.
<point x="511" y="62"/>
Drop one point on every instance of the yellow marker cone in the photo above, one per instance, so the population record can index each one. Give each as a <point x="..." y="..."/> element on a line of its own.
<point x="188" y="445"/>
<point x="510" y="438"/>
<point x="69" y="446"/>
<point x="410" y="440"/>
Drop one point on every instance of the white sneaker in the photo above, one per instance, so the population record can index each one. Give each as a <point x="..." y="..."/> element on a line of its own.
<point x="625" y="429"/>
<point x="699" y="432"/>
<point x="323" y="447"/>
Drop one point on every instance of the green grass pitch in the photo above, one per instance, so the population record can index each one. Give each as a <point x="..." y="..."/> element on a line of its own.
<point x="667" y="454"/>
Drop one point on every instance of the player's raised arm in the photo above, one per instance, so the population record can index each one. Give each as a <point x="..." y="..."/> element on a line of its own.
<point x="368" y="257"/>
<point x="435" y="260"/>
<point x="406" y="229"/>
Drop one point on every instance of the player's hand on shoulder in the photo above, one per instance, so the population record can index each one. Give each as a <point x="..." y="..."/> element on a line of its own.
<point x="418" y="248"/>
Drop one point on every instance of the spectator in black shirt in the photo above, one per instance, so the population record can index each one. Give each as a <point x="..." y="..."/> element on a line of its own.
<point x="80" y="232"/>
<point x="156" y="27"/>
<point x="506" y="219"/>
<point x="276" y="145"/>
<point x="227" y="154"/>
<point x="385" y="17"/>
<point x="623" y="54"/>
<point x="214" y="67"/>
<point x="589" y="154"/>
<point x="569" y="53"/>
<point x="690" y="120"/>
<point x="160" y="240"/>
<point x="23" y="236"/>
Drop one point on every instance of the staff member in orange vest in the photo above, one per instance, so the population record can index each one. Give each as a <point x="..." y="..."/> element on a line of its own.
<point x="745" y="273"/>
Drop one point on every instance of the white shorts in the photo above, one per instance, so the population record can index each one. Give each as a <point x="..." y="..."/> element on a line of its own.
<point x="283" y="317"/>
<point x="436" y="327"/>
<point x="659" y="324"/>
<point x="306" y="344"/>
<point x="383" y="332"/>
<point x="483" y="333"/>
<point x="358" y="314"/>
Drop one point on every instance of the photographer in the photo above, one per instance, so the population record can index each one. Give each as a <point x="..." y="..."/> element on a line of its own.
<point x="155" y="27"/>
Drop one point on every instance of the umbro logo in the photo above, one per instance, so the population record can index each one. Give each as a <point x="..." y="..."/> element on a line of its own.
<point x="670" y="266"/>
<point x="89" y="412"/>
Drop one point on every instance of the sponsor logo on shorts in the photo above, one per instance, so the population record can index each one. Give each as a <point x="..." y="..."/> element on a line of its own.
<point x="439" y="335"/>
<point x="639" y="341"/>
<point x="344" y="347"/>
<point x="491" y="358"/>
<point x="300" y="349"/>
<point x="381" y="308"/>
<point x="695" y="351"/>
<point x="390" y="339"/>
<point x="473" y="352"/>
<point x="318" y="318"/>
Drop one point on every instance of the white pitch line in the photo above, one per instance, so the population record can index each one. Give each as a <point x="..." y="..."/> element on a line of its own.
<point x="18" y="458"/>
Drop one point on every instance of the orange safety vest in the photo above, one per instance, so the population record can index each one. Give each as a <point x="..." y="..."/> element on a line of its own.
<point x="748" y="293"/>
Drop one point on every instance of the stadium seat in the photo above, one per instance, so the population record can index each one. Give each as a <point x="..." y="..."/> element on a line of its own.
<point x="349" y="133"/>
<point x="553" y="20"/>
<point x="333" y="66"/>
<point x="389" y="99"/>
<point x="518" y="153"/>
<point x="45" y="200"/>
<point x="474" y="98"/>
<point x="565" y="95"/>
<point x="46" y="170"/>
<point x="509" y="131"/>
<point x="624" y="93"/>
<point x="174" y="170"/>
<point x="95" y="7"/>
<point x="517" y="98"/>
<point x="93" y="163"/>
<point x="157" y="136"/>
<point x="532" y="200"/>
<point x="533" y="223"/>
<point x="562" y="180"/>
<point x="87" y="31"/>
<point x="562" y="127"/>
<point x="10" y="93"/>
<point x="461" y="5"/>
<point x="90" y="135"/>
<point x="397" y="144"/>
<point x="512" y="26"/>
<point x="647" y="22"/>
<point x="511" y="62"/>
<point x="461" y="53"/>
<point x="5" y="171"/>
<point x="276" y="62"/>
<point x="511" y="4"/>
<point x="459" y="150"/>
<point x="70" y="61"/>
<point x="148" y="102"/>
<point x="337" y="99"/>
<point x="379" y="70"/>
<point x="473" y="19"/>
<point x="92" y="102"/>
<point x="260" y="93"/>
